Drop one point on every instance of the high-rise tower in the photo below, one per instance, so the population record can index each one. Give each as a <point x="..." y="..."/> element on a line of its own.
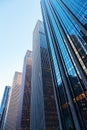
<point x="65" y="24"/>
<point x="23" y="119"/>
<point x="12" y="112"/>
<point x="43" y="106"/>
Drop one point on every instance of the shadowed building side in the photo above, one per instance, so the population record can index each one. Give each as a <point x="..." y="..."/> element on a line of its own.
<point x="43" y="106"/>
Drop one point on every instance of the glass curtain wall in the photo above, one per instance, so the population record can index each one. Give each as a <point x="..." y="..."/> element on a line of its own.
<point x="64" y="30"/>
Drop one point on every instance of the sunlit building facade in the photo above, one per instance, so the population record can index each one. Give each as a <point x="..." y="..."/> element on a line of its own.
<point x="23" y="119"/>
<point x="12" y="110"/>
<point x="65" y="24"/>
<point x="43" y="105"/>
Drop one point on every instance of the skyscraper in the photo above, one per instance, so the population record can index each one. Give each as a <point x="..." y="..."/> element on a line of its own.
<point x="65" y="24"/>
<point x="43" y="106"/>
<point x="23" y="119"/>
<point x="12" y="112"/>
<point x="4" y="103"/>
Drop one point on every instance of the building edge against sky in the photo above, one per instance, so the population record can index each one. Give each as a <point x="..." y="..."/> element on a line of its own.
<point x="16" y="98"/>
<point x="66" y="35"/>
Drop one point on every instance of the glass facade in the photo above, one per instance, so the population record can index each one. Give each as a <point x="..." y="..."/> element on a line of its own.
<point x="3" y="108"/>
<point x="43" y="105"/>
<point x="66" y="33"/>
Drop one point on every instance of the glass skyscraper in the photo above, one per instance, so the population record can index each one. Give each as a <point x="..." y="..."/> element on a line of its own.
<point x="23" y="118"/>
<point x="65" y="24"/>
<point x="4" y="103"/>
<point x="43" y="106"/>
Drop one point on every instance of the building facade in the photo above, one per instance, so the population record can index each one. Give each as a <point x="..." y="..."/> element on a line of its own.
<point x="23" y="119"/>
<point x="43" y="105"/>
<point x="4" y="105"/>
<point x="12" y="112"/>
<point x="65" y="24"/>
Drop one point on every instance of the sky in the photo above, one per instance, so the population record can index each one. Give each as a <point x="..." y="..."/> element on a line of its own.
<point x="17" y="21"/>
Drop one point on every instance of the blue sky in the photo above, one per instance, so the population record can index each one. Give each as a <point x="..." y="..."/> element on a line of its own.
<point x="17" y="21"/>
